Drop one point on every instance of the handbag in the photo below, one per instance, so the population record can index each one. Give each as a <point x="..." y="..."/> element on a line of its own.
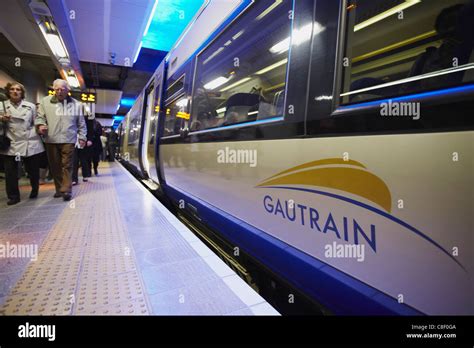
<point x="4" y="140"/>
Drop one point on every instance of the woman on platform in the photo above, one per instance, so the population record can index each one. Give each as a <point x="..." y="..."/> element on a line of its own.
<point x="26" y="144"/>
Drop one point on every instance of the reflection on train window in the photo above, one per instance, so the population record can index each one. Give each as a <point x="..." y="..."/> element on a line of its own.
<point x="241" y="76"/>
<point x="135" y="126"/>
<point x="177" y="115"/>
<point x="398" y="47"/>
<point x="154" y="116"/>
<point x="134" y="133"/>
<point x="175" y="86"/>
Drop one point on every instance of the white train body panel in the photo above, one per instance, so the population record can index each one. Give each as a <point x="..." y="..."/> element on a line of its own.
<point x="418" y="234"/>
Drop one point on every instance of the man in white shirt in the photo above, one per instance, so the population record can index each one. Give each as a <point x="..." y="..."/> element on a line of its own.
<point x="60" y="120"/>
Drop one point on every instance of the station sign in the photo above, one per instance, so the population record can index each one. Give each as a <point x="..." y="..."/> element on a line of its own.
<point x="85" y="97"/>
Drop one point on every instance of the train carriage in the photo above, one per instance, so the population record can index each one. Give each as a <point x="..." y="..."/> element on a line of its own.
<point x="331" y="142"/>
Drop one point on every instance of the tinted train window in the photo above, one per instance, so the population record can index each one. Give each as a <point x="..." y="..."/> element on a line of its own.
<point x="154" y="116"/>
<point x="175" y="86"/>
<point x="398" y="47"/>
<point x="241" y="76"/>
<point x="177" y="115"/>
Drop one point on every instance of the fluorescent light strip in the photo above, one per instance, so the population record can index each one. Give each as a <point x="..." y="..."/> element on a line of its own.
<point x="323" y="97"/>
<point x="414" y="78"/>
<point x="271" y="67"/>
<point x="298" y="37"/>
<point x="269" y="9"/>
<point x="388" y="13"/>
<point x="281" y="47"/>
<point x="221" y="110"/>
<point x="56" y="45"/>
<point x="216" y="83"/>
<point x="236" y="84"/>
<point x="72" y="80"/>
<point x="182" y="103"/>
<point x="236" y="36"/>
<point x="138" y="52"/>
<point x="150" y="19"/>
<point x="219" y="50"/>
<point x="394" y="46"/>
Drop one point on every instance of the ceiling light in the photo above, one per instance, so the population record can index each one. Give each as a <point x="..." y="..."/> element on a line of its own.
<point x="273" y="66"/>
<point x="138" y="52"/>
<point x="72" y="80"/>
<point x="182" y="103"/>
<point x="236" y="36"/>
<point x="216" y="83"/>
<point x="388" y="13"/>
<point x="236" y="84"/>
<point x="281" y="47"/>
<point x="56" y="45"/>
<point x="269" y="9"/>
<point x="219" y="50"/>
<point x="298" y="37"/>
<point x="152" y="14"/>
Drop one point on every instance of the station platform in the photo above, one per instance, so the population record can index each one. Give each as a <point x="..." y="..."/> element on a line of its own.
<point x="114" y="249"/>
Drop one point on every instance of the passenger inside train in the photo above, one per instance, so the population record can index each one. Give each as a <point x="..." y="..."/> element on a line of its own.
<point x="422" y="47"/>
<point x="242" y="79"/>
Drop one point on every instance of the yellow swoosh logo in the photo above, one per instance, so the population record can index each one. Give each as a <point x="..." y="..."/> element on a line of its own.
<point x="353" y="178"/>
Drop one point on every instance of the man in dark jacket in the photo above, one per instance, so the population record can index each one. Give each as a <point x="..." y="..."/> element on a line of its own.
<point x="83" y="155"/>
<point x="113" y="143"/>
<point x="96" y="144"/>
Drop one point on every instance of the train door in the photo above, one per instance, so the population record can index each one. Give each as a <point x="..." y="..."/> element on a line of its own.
<point x="148" y="145"/>
<point x="385" y="124"/>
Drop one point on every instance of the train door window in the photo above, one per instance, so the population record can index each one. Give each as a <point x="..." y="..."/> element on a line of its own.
<point x="240" y="77"/>
<point x="135" y="123"/>
<point x="154" y="118"/>
<point x="395" y="47"/>
<point x="177" y="115"/>
<point x="175" y="87"/>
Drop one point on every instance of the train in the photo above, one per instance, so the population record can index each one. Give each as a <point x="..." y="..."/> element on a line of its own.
<point x="329" y="143"/>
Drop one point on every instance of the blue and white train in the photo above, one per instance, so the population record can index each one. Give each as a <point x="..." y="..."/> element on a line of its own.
<point x="328" y="142"/>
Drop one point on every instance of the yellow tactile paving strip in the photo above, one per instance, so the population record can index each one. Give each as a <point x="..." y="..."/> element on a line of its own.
<point x="86" y="264"/>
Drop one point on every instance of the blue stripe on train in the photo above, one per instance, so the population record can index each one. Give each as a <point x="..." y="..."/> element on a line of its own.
<point x="339" y="292"/>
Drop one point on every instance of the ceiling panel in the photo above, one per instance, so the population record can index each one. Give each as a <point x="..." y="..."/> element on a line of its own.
<point x="89" y="49"/>
<point x="91" y="6"/>
<point x="109" y="26"/>
<point x="19" y="27"/>
<point x="107" y="101"/>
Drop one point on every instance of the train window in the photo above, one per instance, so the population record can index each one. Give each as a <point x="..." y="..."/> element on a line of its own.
<point x="175" y="87"/>
<point x="240" y="77"/>
<point x="396" y="47"/>
<point x="135" y="122"/>
<point x="177" y="115"/>
<point x="154" y="116"/>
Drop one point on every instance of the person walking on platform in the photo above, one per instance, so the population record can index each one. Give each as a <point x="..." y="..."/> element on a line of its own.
<point x="83" y="156"/>
<point x="96" y="144"/>
<point x="19" y="116"/>
<point x="61" y="122"/>
<point x="112" y="144"/>
<point x="103" y="140"/>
